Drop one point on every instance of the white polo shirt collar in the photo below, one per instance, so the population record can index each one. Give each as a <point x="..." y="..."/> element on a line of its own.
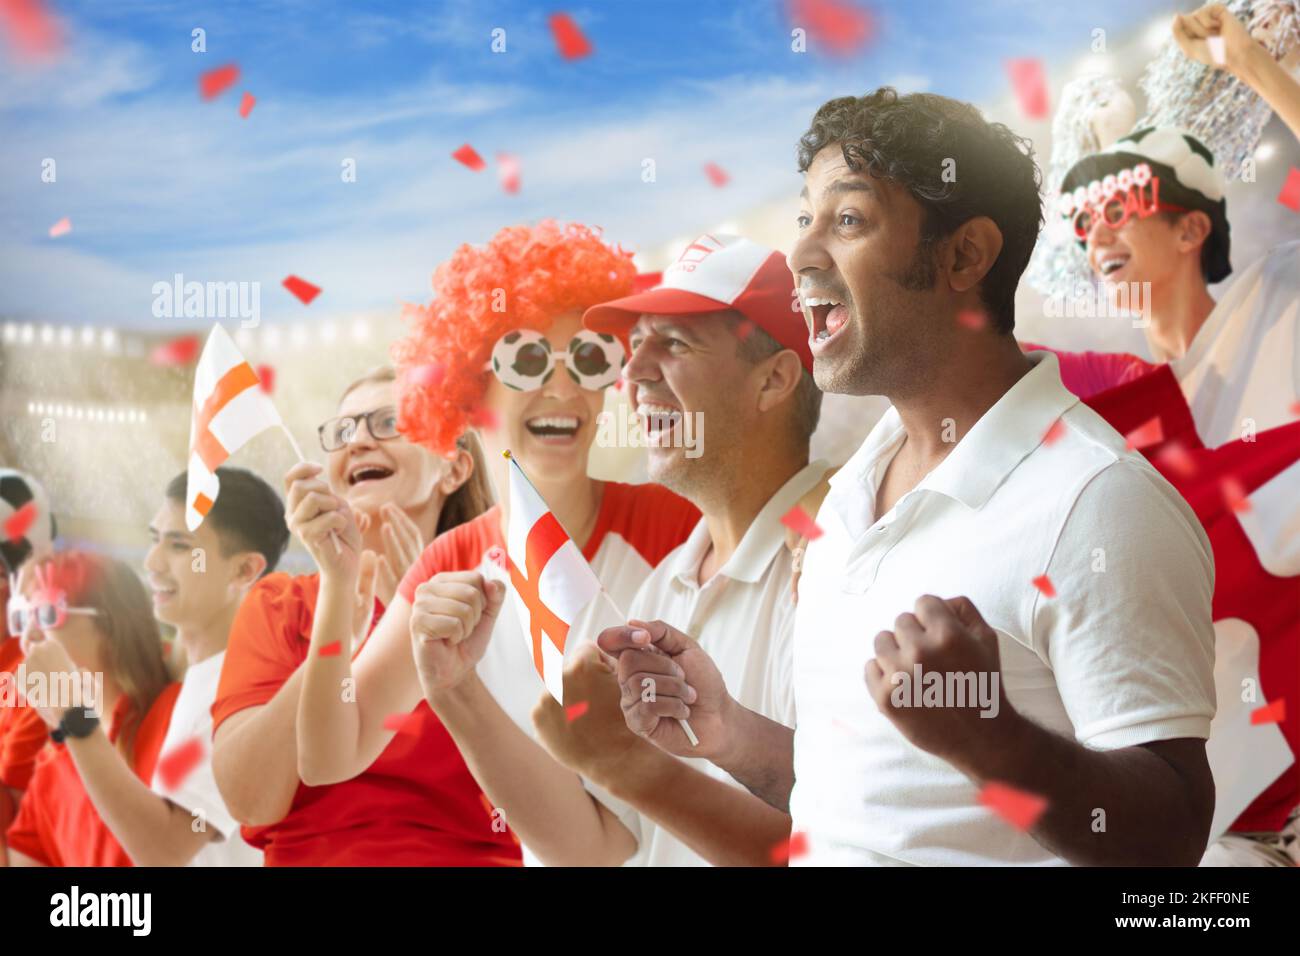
<point x="981" y="461"/>
<point x="761" y="541"/>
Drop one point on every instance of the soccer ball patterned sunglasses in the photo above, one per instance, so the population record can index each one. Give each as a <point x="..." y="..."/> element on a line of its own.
<point x="523" y="360"/>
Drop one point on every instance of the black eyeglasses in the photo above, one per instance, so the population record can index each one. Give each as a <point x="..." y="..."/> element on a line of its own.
<point x="339" y="432"/>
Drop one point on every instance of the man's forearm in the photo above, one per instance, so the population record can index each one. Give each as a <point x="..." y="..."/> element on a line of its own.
<point x="151" y="830"/>
<point x="1127" y="807"/>
<point x="544" y="802"/>
<point x="720" y="822"/>
<point x="760" y="756"/>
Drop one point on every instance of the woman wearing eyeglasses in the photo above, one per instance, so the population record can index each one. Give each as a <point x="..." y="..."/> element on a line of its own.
<point x="397" y="497"/>
<point x="502" y="343"/>
<point x="94" y="672"/>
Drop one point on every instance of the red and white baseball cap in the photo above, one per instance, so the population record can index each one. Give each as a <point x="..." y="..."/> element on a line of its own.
<point x="716" y="273"/>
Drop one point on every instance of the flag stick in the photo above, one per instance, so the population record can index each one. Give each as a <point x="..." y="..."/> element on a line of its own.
<point x="298" y="451"/>
<point x="686" y="726"/>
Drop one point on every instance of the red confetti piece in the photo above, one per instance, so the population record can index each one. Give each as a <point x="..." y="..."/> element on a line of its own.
<point x="744" y="329"/>
<point x="402" y="723"/>
<point x="301" y="288"/>
<point x="840" y="27"/>
<point x="973" y="319"/>
<point x="1290" y="194"/>
<point x="1018" y="807"/>
<point x="31" y="28"/>
<point x="1044" y="584"/>
<point x="1294" y="408"/>
<point x="569" y="40"/>
<point x="61" y="228"/>
<point x="717" y="175"/>
<point x="215" y="82"/>
<point x="1235" y="495"/>
<point x="332" y="649"/>
<point x="181" y="351"/>
<point x="497" y="556"/>
<point x="1054" y="432"/>
<point x="1030" y="84"/>
<point x="1176" y="458"/>
<point x="429" y="375"/>
<point x="468" y="157"/>
<point x="790" y="849"/>
<point x="1150" y="432"/>
<point x="174" y="767"/>
<point x="574" y="711"/>
<point x="485" y="419"/>
<point x="20" y="522"/>
<point x="246" y="104"/>
<point x="1274" y="713"/>
<point x="797" y="520"/>
<point x="266" y="378"/>
<point x="508" y="170"/>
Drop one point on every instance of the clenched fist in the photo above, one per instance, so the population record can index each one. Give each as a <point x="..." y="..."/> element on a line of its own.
<point x="452" y="618"/>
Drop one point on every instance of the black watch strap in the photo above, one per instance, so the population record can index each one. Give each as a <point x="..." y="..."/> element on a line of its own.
<point x="76" y="723"/>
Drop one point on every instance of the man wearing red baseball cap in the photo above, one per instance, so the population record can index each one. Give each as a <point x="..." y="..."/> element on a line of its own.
<point x="717" y="340"/>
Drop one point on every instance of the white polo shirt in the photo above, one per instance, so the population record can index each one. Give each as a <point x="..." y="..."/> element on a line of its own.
<point x="743" y="617"/>
<point x="1119" y="657"/>
<point x="192" y="719"/>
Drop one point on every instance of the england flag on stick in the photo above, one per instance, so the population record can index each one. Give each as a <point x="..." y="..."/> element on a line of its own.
<point x="229" y="409"/>
<point x="552" y="580"/>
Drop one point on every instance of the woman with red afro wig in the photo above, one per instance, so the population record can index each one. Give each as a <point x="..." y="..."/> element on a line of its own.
<point x="500" y="347"/>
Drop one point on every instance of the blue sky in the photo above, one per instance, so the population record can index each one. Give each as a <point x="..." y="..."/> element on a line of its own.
<point x="157" y="181"/>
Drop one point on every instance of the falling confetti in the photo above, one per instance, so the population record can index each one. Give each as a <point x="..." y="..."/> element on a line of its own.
<point x="266" y="378"/>
<point x="1044" y="584"/>
<point x="246" y="104"/>
<point x="497" y="556"/>
<point x="574" y="711"/>
<point x="841" y="27"/>
<point x="215" y="82"/>
<point x="1274" y="713"/>
<point x="31" y="28"/>
<point x="485" y="419"/>
<point x="791" y="849"/>
<point x="1175" y="458"/>
<point x="973" y="319"/>
<point x="467" y="156"/>
<point x="508" y="171"/>
<point x="1290" y="194"/>
<point x="301" y="288"/>
<point x="1149" y="433"/>
<point x="744" y="329"/>
<point x="61" y="228"/>
<point x="332" y="649"/>
<point x="717" y="175"/>
<point x="175" y="766"/>
<point x="1018" y="807"/>
<point x="797" y="520"/>
<point x="402" y="723"/>
<point x="177" y="352"/>
<point x="20" y="522"/>
<point x="1235" y="495"/>
<point x="1295" y="408"/>
<point x="1030" y="85"/>
<point x="569" y="40"/>
<point x="1054" y="432"/>
<point x="429" y="375"/>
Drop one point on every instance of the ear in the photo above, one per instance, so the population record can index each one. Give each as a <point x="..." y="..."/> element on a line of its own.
<point x="971" y="252"/>
<point x="1193" y="229"/>
<point x="249" y="569"/>
<point x="780" y="377"/>
<point x="460" y="467"/>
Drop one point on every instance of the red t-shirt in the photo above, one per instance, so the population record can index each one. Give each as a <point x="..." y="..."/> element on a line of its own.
<point x="23" y="734"/>
<point x="416" y="805"/>
<point x="57" y="824"/>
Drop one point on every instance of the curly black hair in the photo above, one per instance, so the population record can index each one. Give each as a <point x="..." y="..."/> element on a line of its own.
<point x="908" y="139"/>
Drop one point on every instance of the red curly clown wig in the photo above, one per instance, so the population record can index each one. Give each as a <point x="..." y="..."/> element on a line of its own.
<point x="522" y="279"/>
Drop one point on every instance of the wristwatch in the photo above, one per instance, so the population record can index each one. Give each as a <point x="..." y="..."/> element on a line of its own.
<point x="77" y="723"/>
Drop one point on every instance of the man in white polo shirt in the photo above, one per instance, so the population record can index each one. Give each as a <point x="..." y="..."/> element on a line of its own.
<point x="1077" y="665"/>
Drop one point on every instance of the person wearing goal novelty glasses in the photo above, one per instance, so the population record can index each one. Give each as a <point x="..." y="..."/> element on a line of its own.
<point x="465" y="363"/>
